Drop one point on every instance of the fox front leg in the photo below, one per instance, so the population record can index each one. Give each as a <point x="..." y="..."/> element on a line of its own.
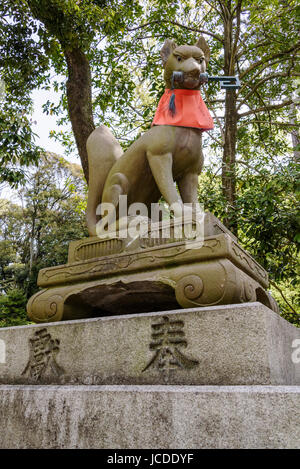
<point x="161" y="168"/>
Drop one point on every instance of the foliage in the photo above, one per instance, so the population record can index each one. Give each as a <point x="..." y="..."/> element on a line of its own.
<point x="17" y="147"/>
<point x="269" y="224"/>
<point x="36" y="232"/>
<point x="121" y="40"/>
<point x="13" y="308"/>
<point x="39" y="37"/>
<point x="23" y="67"/>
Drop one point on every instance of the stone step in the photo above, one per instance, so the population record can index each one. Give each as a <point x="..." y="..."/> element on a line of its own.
<point x="244" y="344"/>
<point x="155" y="417"/>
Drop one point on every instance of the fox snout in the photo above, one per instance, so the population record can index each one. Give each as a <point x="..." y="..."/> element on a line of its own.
<point x="191" y="73"/>
<point x="191" y="67"/>
<point x="188" y="76"/>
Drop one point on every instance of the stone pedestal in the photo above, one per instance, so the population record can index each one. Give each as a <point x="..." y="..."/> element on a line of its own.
<point x="214" y="377"/>
<point x="161" y="271"/>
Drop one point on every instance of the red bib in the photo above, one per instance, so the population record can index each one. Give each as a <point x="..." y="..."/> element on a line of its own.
<point x="190" y="110"/>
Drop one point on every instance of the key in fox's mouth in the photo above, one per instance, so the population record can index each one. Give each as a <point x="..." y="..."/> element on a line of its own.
<point x="191" y="80"/>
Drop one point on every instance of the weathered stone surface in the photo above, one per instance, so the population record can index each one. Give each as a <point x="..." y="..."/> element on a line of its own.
<point x="149" y="417"/>
<point x="94" y="247"/>
<point x="237" y="344"/>
<point x="150" y="278"/>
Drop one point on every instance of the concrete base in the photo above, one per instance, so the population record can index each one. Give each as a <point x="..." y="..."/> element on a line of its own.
<point x="220" y="345"/>
<point x="153" y="380"/>
<point x="167" y="417"/>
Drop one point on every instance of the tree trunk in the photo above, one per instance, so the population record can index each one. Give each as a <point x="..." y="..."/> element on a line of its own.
<point x="229" y="157"/>
<point x="31" y="250"/>
<point x="55" y="18"/>
<point x="230" y="130"/>
<point x="295" y="132"/>
<point x="79" y="97"/>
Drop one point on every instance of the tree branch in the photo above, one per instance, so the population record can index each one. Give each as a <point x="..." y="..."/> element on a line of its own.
<point x="284" y="298"/>
<point x="244" y="163"/>
<point x="215" y="139"/>
<point x="216" y="117"/>
<point x="263" y="61"/>
<point x="258" y="84"/>
<point x="201" y="31"/>
<point x="259" y="73"/>
<point x="236" y="37"/>
<point x="280" y="124"/>
<point x="222" y="7"/>
<point x="259" y="44"/>
<point x="214" y="7"/>
<point x="266" y="108"/>
<point x="263" y="103"/>
<point x="148" y="37"/>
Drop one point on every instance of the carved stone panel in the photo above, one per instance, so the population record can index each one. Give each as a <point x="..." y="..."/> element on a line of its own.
<point x="43" y="350"/>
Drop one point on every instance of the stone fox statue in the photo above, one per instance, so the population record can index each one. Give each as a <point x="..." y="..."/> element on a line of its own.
<point x="170" y="151"/>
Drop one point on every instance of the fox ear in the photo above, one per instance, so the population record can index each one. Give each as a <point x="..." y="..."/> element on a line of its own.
<point x="167" y="49"/>
<point x="202" y="44"/>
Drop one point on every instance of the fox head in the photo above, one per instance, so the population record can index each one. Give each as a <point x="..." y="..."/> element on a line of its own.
<point x="191" y="60"/>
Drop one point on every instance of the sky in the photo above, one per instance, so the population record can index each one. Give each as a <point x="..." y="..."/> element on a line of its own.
<point x="42" y="126"/>
<point x="45" y="123"/>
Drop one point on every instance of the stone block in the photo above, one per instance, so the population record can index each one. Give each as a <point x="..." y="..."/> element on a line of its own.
<point x="155" y="417"/>
<point x="218" y="345"/>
